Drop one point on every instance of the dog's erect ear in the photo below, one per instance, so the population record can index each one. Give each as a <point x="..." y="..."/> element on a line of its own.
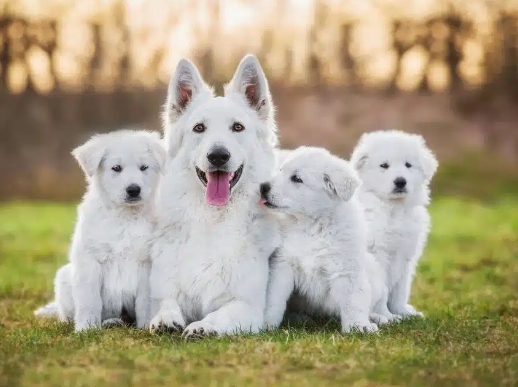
<point x="427" y="159"/>
<point x="186" y="85"/>
<point x="90" y="155"/>
<point x="341" y="180"/>
<point x="250" y="82"/>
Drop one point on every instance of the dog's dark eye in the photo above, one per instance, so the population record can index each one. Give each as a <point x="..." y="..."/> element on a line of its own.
<point x="143" y="167"/>
<point x="199" y="128"/>
<point x="408" y="165"/>
<point x="296" y="179"/>
<point x="117" y="168"/>
<point x="384" y="166"/>
<point x="237" y="127"/>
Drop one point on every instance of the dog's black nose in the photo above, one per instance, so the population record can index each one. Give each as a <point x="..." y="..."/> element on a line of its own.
<point x="218" y="156"/>
<point x="265" y="188"/>
<point x="400" y="182"/>
<point x="133" y="190"/>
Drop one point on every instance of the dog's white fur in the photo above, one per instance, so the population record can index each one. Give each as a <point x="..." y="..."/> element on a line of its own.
<point x="210" y="263"/>
<point x="281" y="155"/>
<point x="398" y="223"/>
<point x="321" y="259"/>
<point x="109" y="256"/>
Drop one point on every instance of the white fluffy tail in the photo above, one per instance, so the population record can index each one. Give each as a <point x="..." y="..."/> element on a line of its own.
<point x="48" y="311"/>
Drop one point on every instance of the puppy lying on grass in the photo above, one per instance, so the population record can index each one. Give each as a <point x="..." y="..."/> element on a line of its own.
<point x="108" y="273"/>
<point x="320" y="264"/>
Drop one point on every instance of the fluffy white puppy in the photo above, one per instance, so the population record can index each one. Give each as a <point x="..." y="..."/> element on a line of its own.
<point x="396" y="169"/>
<point x="321" y="259"/>
<point x="210" y="255"/>
<point x="108" y="273"/>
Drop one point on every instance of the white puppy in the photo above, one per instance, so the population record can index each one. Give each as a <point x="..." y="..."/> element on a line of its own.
<point x="321" y="259"/>
<point x="210" y="255"/>
<point x="108" y="273"/>
<point x="396" y="169"/>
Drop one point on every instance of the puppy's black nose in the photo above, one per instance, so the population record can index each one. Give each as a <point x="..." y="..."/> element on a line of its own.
<point x="133" y="190"/>
<point x="265" y="188"/>
<point x="218" y="156"/>
<point x="400" y="182"/>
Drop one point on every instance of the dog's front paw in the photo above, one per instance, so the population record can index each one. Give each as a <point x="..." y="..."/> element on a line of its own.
<point x="362" y="327"/>
<point x="378" y="319"/>
<point x="198" y="330"/>
<point x="394" y="318"/>
<point x="81" y="327"/>
<point x="113" y="323"/>
<point x="408" y="311"/>
<point x="166" y="324"/>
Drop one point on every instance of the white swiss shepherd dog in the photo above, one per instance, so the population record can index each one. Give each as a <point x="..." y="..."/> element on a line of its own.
<point x="320" y="263"/>
<point x="109" y="265"/>
<point x="211" y="250"/>
<point x="396" y="169"/>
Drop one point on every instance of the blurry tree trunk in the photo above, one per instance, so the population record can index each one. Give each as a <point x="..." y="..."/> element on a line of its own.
<point x="348" y="61"/>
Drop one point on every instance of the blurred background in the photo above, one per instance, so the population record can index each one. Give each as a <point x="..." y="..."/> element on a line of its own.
<point x="447" y="69"/>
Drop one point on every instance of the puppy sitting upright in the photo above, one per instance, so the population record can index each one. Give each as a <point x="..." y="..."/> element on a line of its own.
<point x="396" y="169"/>
<point x="109" y="264"/>
<point x="321" y="260"/>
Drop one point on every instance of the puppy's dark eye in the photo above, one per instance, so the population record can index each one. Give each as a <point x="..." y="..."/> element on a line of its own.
<point x="237" y="127"/>
<point x="296" y="179"/>
<point x="384" y="166"/>
<point x="117" y="168"/>
<point x="408" y="165"/>
<point x="199" y="128"/>
<point x="143" y="167"/>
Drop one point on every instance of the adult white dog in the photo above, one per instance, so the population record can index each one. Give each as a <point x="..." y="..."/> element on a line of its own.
<point x="321" y="259"/>
<point x="396" y="169"/>
<point x="109" y="267"/>
<point x="210" y="256"/>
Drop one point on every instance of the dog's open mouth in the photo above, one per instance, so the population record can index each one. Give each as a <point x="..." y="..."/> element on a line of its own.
<point x="218" y="184"/>
<point x="131" y="200"/>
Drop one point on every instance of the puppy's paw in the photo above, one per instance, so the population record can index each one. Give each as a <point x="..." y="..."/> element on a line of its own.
<point x="393" y="318"/>
<point x="379" y="319"/>
<point x="408" y="311"/>
<point x="198" y="330"/>
<point x="362" y="327"/>
<point x="166" y="324"/>
<point x="113" y="323"/>
<point x="82" y="327"/>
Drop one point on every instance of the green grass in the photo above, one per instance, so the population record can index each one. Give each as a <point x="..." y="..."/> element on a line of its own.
<point x="467" y="285"/>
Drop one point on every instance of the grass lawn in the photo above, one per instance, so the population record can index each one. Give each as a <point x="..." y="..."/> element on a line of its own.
<point x="467" y="285"/>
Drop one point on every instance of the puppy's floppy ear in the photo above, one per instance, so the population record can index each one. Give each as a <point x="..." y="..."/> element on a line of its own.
<point x="427" y="159"/>
<point x="250" y="82"/>
<point x="90" y="155"/>
<point x="185" y="85"/>
<point x="341" y="180"/>
<point x="157" y="150"/>
<point x="359" y="161"/>
<point x="359" y="156"/>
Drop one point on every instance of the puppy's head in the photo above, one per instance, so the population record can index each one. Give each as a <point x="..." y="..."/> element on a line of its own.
<point x="311" y="181"/>
<point x="394" y="165"/>
<point x="124" y="166"/>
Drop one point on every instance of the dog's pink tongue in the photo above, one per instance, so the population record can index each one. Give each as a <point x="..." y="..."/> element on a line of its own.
<point x="218" y="188"/>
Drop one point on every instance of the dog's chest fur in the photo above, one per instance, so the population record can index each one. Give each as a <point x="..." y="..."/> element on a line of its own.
<point x="119" y="243"/>
<point x="317" y="252"/>
<point x="214" y="262"/>
<point x="394" y="236"/>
